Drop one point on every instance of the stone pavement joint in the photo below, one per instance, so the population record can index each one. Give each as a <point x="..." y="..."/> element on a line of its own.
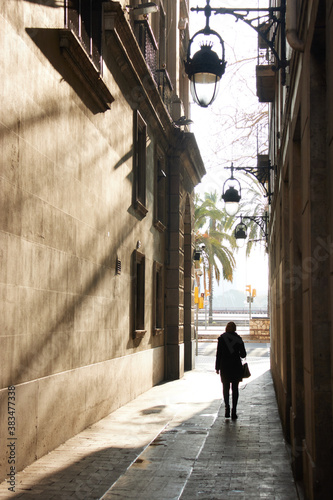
<point x="173" y="442"/>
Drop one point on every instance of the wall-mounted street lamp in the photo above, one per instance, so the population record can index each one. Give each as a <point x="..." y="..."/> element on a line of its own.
<point x="197" y="252"/>
<point x="241" y="228"/>
<point x="206" y="68"/>
<point x="197" y="255"/>
<point x="240" y="233"/>
<point x="231" y="196"/>
<point x="261" y="173"/>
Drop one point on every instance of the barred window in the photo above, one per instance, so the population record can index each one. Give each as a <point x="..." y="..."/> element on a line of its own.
<point x="84" y="18"/>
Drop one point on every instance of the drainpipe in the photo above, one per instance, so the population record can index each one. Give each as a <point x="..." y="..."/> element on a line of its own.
<point x="291" y="27"/>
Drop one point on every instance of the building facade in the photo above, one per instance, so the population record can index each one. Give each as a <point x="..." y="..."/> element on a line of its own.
<point x="301" y="142"/>
<point x="97" y="177"/>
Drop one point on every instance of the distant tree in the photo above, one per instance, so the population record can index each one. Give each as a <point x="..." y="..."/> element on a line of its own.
<point x="212" y="230"/>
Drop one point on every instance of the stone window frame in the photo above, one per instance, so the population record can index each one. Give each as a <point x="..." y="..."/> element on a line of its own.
<point x="160" y="185"/>
<point x="85" y="20"/>
<point x="138" y="293"/>
<point x="158" y="298"/>
<point x="139" y="163"/>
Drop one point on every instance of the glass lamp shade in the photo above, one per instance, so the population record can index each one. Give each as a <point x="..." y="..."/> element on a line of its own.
<point x="231" y="199"/>
<point x="240" y="234"/>
<point x="204" y="88"/>
<point x="240" y="242"/>
<point x="205" y="70"/>
<point x="231" y="207"/>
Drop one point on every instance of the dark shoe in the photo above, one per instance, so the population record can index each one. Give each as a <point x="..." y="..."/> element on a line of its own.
<point x="234" y="414"/>
<point x="227" y="412"/>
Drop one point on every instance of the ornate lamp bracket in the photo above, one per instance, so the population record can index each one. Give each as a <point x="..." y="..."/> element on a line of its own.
<point x="262" y="175"/>
<point x="261" y="221"/>
<point x="267" y="23"/>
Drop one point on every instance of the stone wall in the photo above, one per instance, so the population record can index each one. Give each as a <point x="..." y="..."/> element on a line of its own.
<point x="259" y="329"/>
<point x="66" y="216"/>
<point x="301" y="253"/>
<point x="69" y="227"/>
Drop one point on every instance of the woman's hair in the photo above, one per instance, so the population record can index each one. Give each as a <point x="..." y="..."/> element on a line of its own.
<point x="231" y="327"/>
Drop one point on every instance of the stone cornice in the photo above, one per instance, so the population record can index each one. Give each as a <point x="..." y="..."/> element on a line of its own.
<point x="191" y="149"/>
<point x="186" y="147"/>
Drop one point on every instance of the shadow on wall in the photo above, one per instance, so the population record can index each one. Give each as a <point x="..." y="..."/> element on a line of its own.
<point x="62" y="313"/>
<point x="33" y="214"/>
<point x="60" y="338"/>
<point x="47" y="40"/>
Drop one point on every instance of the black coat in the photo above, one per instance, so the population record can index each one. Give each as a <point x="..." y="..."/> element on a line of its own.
<point x="230" y="350"/>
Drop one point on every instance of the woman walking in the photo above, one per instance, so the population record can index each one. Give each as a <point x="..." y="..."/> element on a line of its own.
<point x="230" y="350"/>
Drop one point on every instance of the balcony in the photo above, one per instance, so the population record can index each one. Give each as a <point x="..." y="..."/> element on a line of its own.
<point x="147" y="43"/>
<point x="265" y="83"/>
<point x="165" y="88"/>
<point x="264" y="70"/>
<point x="85" y="69"/>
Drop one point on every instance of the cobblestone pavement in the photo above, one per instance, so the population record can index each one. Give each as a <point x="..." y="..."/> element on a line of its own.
<point x="173" y="442"/>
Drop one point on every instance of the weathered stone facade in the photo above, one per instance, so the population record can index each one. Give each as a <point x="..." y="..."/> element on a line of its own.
<point x="96" y="243"/>
<point x="301" y="145"/>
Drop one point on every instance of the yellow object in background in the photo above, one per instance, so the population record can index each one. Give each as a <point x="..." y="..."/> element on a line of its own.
<point x="196" y="294"/>
<point x="201" y="301"/>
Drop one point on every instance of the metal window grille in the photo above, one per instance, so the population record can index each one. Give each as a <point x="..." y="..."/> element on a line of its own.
<point x="84" y="18"/>
<point x="147" y="44"/>
<point x="165" y="88"/>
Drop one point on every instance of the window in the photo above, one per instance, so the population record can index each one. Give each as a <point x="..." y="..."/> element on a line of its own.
<point x="160" y="191"/>
<point x="158" y="311"/>
<point x="84" y="18"/>
<point x="138" y="295"/>
<point x="80" y="44"/>
<point x="162" y="79"/>
<point x="139" y="164"/>
<point x="162" y="38"/>
<point x="147" y="43"/>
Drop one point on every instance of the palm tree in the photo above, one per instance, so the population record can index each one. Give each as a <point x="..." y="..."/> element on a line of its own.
<point x="213" y="227"/>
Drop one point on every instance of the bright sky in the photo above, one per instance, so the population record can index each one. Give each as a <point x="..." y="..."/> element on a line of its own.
<point x="216" y="127"/>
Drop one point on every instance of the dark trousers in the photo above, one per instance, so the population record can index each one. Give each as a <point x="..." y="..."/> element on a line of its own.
<point x="226" y="390"/>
